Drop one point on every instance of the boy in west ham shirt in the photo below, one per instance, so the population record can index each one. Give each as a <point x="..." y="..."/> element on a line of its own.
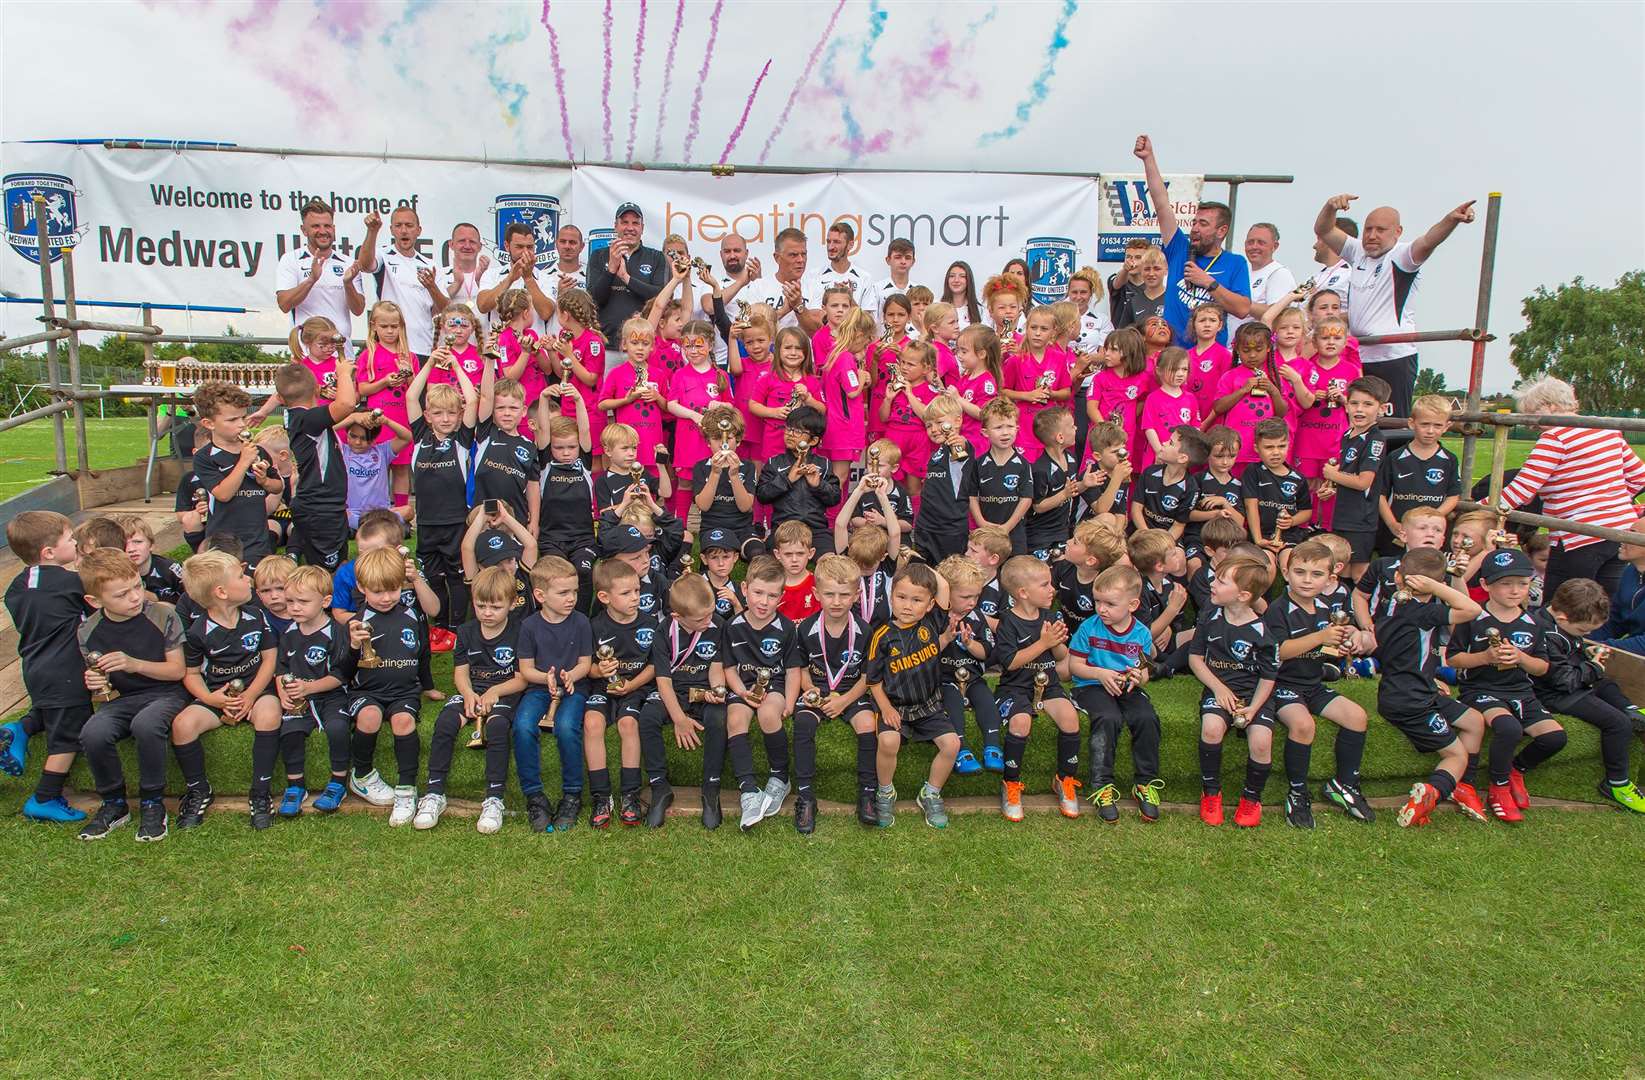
<point x="1356" y="470"/>
<point x="940" y="521"/>
<point x="1277" y="501"/>
<point x="623" y="674"/>
<point x="1168" y="491"/>
<point x="321" y="529"/>
<point x="1422" y="472"/>
<point x="762" y="669"/>
<point x="998" y="484"/>
<point x="235" y="472"/>
<point x="686" y="656"/>
<point x="833" y="642"/>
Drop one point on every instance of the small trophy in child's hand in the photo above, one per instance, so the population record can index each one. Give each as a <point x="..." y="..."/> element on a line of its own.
<point x="955" y="451"/>
<point x="605" y="654"/>
<point x="1338" y="621"/>
<point x="1599" y="654"/>
<point x="962" y="681"/>
<point x="288" y="683"/>
<point x="1242" y="713"/>
<point x="1041" y="681"/>
<point x="107" y="693"/>
<point x="482" y="709"/>
<point x="725" y="433"/>
<point x="368" y="651"/>
<point x="812" y="699"/>
<point x="232" y="690"/>
<point x="1495" y="642"/>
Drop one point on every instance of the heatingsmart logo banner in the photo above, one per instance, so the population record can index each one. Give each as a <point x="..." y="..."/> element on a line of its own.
<point x="57" y="206"/>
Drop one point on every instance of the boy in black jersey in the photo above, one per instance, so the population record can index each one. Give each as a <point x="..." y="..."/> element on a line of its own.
<point x="1278" y="505"/>
<point x="229" y="654"/>
<point x="940" y="521"/>
<point x="998" y="484"/>
<point x="1219" y="493"/>
<point x="236" y="473"/>
<point x="989" y="546"/>
<point x="1095" y="546"/>
<point x="486" y="672"/>
<point x="556" y="654"/>
<point x="1219" y="538"/>
<point x="1408" y="654"/>
<point x="797" y="484"/>
<point x="970" y="651"/>
<point x="904" y="672"/>
<point x="723" y="484"/>
<point x="320" y="530"/>
<point x="1422" y="472"/>
<point x="269" y="580"/>
<point x="869" y="550"/>
<point x="1161" y="599"/>
<point x="443" y="447"/>
<point x="1308" y="631"/>
<point x="1030" y="645"/>
<point x="1168" y="491"/>
<point x="762" y="663"/>
<point x="686" y="656"/>
<point x="623" y="674"/>
<point x="1356" y="469"/>
<point x="162" y="578"/>
<point x="624" y="479"/>
<point x="387" y="689"/>
<point x="884" y="457"/>
<point x="1496" y="655"/>
<point x="1107" y="480"/>
<point x="190" y="506"/>
<point x="1235" y="656"/>
<point x="832" y="687"/>
<point x="1575" y="684"/>
<point x="1055" y="484"/>
<point x="629" y="544"/>
<point x="505" y="462"/>
<point x="1423" y="528"/>
<point x="565" y="501"/>
<point x="313" y="663"/>
<point x="133" y="647"/>
<point x="719" y="563"/>
<point x="502" y="541"/>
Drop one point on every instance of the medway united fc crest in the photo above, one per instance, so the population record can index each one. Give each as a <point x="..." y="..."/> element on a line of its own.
<point x="541" y="212"/>
<point x="63" y="228"/>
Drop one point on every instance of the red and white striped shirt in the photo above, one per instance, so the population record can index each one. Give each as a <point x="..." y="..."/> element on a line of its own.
<point x="1583" y="474"/>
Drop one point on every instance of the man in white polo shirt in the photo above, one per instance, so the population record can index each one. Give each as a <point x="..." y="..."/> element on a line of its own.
<point x="1271" y="282"/>
<point x="569" y="272"/>
<point x="839" y="270"/>
<point x="316" y="279"/>
<point x="404" y="275"/>
<point x="1382" y="277"/>
<point x="787" y="291"/>
<point x="520" y="242"/>
<point x="470" y="272"/>
<point x="1333" y="269"/>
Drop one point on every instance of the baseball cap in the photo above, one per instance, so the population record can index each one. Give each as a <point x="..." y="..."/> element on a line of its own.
<point x="719" y="540"/>
<point x="1509" y="562"/>
<point x="629" y="208"/>
<point x="494" y="546"/>
<point x="625" y="541"/>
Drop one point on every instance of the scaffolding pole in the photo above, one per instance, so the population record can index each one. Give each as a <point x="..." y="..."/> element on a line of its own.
<point x="81" y="458"/>
<point x="48" y="312"/>
<point x="1482" y="318"/>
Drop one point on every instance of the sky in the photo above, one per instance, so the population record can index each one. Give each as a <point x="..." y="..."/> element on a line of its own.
<point x="1419" y="106"/>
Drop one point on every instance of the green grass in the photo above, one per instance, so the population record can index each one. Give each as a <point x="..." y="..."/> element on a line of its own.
<point x="27" y="453"/>
<point x="341" y="947"/>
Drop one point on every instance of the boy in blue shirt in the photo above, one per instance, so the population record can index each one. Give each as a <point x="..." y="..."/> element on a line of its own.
<point x="1108" y="658"/>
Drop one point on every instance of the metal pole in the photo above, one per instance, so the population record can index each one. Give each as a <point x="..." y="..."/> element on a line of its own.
<point x="56" y="408"/>
<point x="1499" y="462"/>
<point x="151" y="410"/>
<point x="81" y="456"/>
<point x="1233" y="202"/>
<point x="1482" y="321"/>
<point x="8" y="344"/>
<point x="47" y="309"/>
<point x="103" y="327"/>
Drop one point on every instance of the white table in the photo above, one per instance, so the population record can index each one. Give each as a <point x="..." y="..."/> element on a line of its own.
<point x="155" y="396"/>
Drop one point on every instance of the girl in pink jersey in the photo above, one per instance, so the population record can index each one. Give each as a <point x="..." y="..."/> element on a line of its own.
<point x="882" y="356"/>
<point x="941" y="327"/>
<point x="459" y="331"/>
<point x="1156" y="335"/>
<point x="387" y="370"/>
<point x="1326" y="304"/>
<point x="315" y="345"/>
<point x="838" y="302"/>
<point x="1323" y="419"/>
<point x="1005" y="299"/>
<point x="525" y="358"/>
<point x="1120" y="387"/>
<point x="693" y="389"/>
<point x="911" y="390"/>
<point x="1168" y="407"/>
<point x="579" y="358"/>
<point x="1207" y="360"/>
<point x="1036" y="378"/>
<point x="792" y="382"/>
<point x="749" y="367"/>
<point x="979" y="381"/>
<point x="635" y="393"/>
<point x="1290" y="363"/>
<point x="843" y="383"/>
<point x="1249" y="392"/>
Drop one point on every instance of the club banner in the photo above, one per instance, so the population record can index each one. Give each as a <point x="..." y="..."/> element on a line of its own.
<point x="1125" y="211"/>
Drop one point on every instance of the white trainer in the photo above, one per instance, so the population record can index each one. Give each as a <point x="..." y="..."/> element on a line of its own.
<point x="371" y="788"/>
<point x="429" y="809"/>
<point x="405" y="805"/>
<point x="491" y="816"/>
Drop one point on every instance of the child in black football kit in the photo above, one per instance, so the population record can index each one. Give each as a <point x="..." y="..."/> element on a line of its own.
<point x="1276" y="498"/>
<point x="1107" y="480"/>
<point x="884" y="461"/>
<point x="229" y="654"/>
<point x="1356" y="469"/>
<point x="443" y="430"/>
<point x="1029" y="643"/>
<point x="998" y="484"/>
<point x="719" y="550"/>
<point x="486" y="672"/>
<point x="832" y="687"/>
<point x="162" y="578"/>
<point x="235" y="472"/>
<point x="904" y="672"/>
<point x="1422" y="472"/>
<point x="46" y="603"/>
<point x="505" y="462"/>
<point x="1408" y="655"/>
<point x="1575" y="684"/>
<point x="623" y="674"/>
<point x="1220" y="494"/>
<point x="722" y="484"/>
<point x="1496" y="655"/>
<point x="314" y="662"/>
<point x="970" y="652"/>
<point x="320" y="527"/>
<point x="621" y="446"/>
<point x="565" y="501"/>
<point x="133" y="646"/>
<point x="1163" y="599"/>
<point x="686" y="657"/>
<point x="797" y="484"/>
<point x="1168" y="491"/>
<point x="760" y="642"/>
<point x="1055" y="484"/>
<point x="1237" y="659"/>
<point x="940" y="521"/>
<point x="389" y="688"/>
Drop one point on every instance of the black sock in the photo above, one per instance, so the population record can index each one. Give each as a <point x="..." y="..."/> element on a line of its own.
<point x="1296" y="764"/>
<point x="630" y="780"/>
<point x="776" y="753"/>
<point x="1210" y="767"/>
<point x="364" y="752"/>
<point x="265" y="747"/>
<point x="408" y="752"/>
<point x="867" y="763"/>
<point x="499" y="747"/>
<point x="1468" y="772"/>
<point x="599" y="782"/>
<point x="1505" y="735"/>
<point x="1350" y="752"/>
<point x="1256" y="778"/>
<point x="294" y="751"/>
<point x="742" y="761"/>
<point x="191" y="759"/>
<point x="1542" y="748"/>
<point x="1015" y="746"/>
<point x="50" y="786"/>
<point x="32" y="725"/>
<point x="1068" y="753"/>
<point x="1442" y="783"/>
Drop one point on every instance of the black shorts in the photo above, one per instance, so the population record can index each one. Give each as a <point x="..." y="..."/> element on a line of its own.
<point x="1527" y="709"/>
<point x="1316" y="698"/>
<point x="63" y="727"/>
<point x="1014" y="701"/>
<point x="319" y="540"/>
<point x="217" y="714"/>
<point x="391" y="704"/>
<point x="922" y="728"/>
<point x="935" y="546"/>
<point x="1264" y="716"/>
<point x="1361" y="542"/>
<point x="1430" y="731"/>
<point x="861" y="703"/>
<point x="628" y="705"/>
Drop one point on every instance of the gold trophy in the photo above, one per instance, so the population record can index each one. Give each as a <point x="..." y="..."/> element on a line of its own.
<point x="962" y="681"/>
<point x="1047" y="380"/>
<point x="762" y="685"/>
<point x="812" y="699"/>
<point x="725" y="433"/>
<point x="1041" y="681"/>
<point x="889" y="337"/>
<point x="477" y="741"/>
<point x="1279" y="532"/>
<point x="636" y="473"/>
<point x="956" y="452"/>
<point x="1258" y="391"/>
<point x="368" y="651"/>
<point x="1402" y="595"/>
<point x="288" y="682"/>
<point x="1337" y="619"/>
<point x="1242" y="712"/>
<point x="802" y="449"/>
<point x="234" y="688"/>
<point x="687" y="564"/>
<point x="1494" y="639"/>
<point x="1501" y="537"/>
<point x="744" y="314"/>
<point x="546" y="723"/>
<point x="108" y="692"/>
<point x="1599" y="654"/>
<point x="699" y="263"/>
<point x="1122" y="453"/>
<point x="711" y="695"/>
<point x="613" y="685"/>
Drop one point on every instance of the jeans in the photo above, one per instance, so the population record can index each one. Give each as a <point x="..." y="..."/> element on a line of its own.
<point x="568" y="733"/>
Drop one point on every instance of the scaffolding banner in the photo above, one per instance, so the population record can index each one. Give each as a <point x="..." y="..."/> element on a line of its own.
<point x="1125" y="212"/>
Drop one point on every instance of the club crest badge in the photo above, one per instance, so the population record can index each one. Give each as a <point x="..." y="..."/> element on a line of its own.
<point x="63" y="228"/>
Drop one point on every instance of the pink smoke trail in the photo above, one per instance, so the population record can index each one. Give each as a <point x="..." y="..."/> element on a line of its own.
<point x="559" y="82"/>
<point x="702" y="77"/>
<point x="737" y="132"/>
<point x="634" y="106"/>
<point x="605" y="86"/>
<point x="810" y="65"/>
<point x="668" y="81"/>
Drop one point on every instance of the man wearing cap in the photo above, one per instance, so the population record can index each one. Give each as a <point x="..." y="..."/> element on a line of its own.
<point x="630" y="275"/>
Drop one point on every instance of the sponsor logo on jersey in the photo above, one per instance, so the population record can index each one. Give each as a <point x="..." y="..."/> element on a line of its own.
<point x="1434" y="476"/>
<point x="252" y="640"/>
<point x="503" y="654"/>
<point x="315" y="655"/>
<point x="408" y="638"/>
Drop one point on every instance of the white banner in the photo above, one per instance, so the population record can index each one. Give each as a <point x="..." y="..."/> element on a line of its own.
<point x="1125" y="211"/>
<point x="208" y="228"/>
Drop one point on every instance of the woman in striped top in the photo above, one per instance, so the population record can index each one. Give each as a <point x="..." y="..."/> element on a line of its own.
<point x="1589" y="475"/>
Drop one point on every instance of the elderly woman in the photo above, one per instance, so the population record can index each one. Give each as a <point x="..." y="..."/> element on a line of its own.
<point x="1589" y="475"/>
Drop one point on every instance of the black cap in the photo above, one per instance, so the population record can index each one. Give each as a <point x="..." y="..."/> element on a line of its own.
<point x="1508" y="562"/>
<point x="625" y="540"/>
<point x="628" y="208"/>
<point x="494" y="546"/>
<point x="719" y="540"/>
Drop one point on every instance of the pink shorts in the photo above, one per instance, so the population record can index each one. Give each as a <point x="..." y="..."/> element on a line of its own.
<point x="916" y="451"/>
<point x="1311" y="467"/>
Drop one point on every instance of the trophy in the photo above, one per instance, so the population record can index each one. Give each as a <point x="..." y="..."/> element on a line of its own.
<point x="234" y="688"/>
<point x="812" y="699"/>
<point x="1056" y="552"/>
<point x="368" y="651"/>
<point x="956" y="452"/>
<point x="547" y="721"/>
<point x="108" y="692"/>
<point x="725" y="433"/>
<point x="1335" y="394"/>
<point x="962" y="681"/>
<point x="1129" y="679"/>
<point x="1122" y="454"/>
<point x="1501" y="537"/>
<point x="687" y="564"/>
<point x="1599" y="654"/>
<point x="1258" y="391"/>
<point x="1242" y="713"/>
<point x="376" y="418"/>
<point x="1402" y="595"/>
<point x="1046" y="380"/>
<point x="762" y="685"/>
<point x="744" y="316"/>
<point x="1493" y="640"/>
<point x="1041" y="681"/>
<point x="288" y="682"/>
<point x="711" y="695"/>
<point x="679" y="260"/>
<point x="477" y="741"/>
<point x="699" y="263"/>
<point x="1279" y="532"/>
<point x="1454" y="563"/>
<point x="636" y="474"/>
<point x="613" y="685"/>
<point x="1117" y="417"/>
<point x="1337" y="620"/>
<point x="895" y="384"/>
<point x="802" y="449"/>
<point x="874" y="458"/>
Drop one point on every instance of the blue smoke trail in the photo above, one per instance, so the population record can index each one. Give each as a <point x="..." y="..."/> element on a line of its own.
<point x="512" y="94"/>
<point x="877" y="17"/>
<point x="1040" y="89"/>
